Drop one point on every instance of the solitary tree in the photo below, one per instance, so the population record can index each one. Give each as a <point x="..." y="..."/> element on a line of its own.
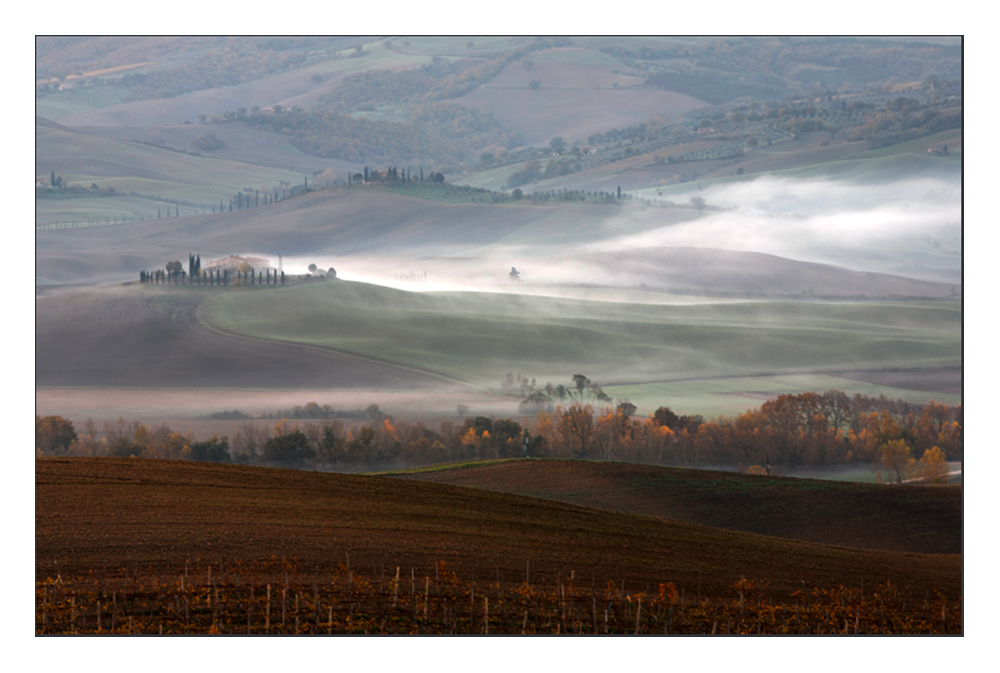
<point x="933" y="466"/>
<point x="53" y="434"/>
<point x="894" y="457"/>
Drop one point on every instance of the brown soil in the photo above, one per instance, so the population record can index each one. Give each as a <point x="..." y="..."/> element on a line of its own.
<point x="104" y="515"/>
<point x="147" y="338"/>
<point x="919" y="519"/>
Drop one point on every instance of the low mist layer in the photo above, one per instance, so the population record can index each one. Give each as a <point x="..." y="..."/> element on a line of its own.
<point x="910" y="227"/>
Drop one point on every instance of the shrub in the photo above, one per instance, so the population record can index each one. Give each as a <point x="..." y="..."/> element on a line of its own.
<point x="214" y="450"/>
<point x="209" y="143"/>
<point x="290" y="450"/>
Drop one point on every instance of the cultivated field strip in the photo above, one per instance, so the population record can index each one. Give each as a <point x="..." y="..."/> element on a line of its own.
<point x="891" y="518"/>
<point x="101" y="515"/>
<point x="276" y="597"/>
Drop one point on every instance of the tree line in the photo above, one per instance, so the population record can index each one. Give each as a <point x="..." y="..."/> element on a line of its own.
<point x="898" y="439"/>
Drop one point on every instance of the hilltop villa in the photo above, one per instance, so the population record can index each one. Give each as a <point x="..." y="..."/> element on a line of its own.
<point x="233" y="262"/>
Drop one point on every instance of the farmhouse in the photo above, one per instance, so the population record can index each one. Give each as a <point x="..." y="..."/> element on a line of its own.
<point x="233" y="263"/>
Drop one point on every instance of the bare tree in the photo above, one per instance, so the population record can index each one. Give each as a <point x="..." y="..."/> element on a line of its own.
<point x="250" y="440"/>
<point x="119" y="430"/>
<point x="576" y="425"/>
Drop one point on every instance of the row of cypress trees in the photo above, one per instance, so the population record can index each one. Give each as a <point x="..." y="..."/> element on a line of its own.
<point x="174" y="273"/>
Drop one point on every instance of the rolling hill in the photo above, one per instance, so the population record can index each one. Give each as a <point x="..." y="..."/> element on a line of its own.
<point x="478" y="338"/>
<point x="560" y="243"/>
<point x="903" y="519"/>
<point x="102" y="515"/>
<point x="123" y="337"/>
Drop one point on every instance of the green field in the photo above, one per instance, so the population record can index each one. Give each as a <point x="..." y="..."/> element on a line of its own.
<point x="83" y="160"/>
<point x="83" y="211"/>
<point x="77" y="100"/>
<point x="731" y="396"/>
<point x="478" y="338"/>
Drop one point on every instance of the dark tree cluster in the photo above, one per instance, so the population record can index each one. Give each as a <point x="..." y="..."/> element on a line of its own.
<point x="174" y="273"/>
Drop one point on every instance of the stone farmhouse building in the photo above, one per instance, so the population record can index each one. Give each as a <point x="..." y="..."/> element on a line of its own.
<point x="233" y="263"/>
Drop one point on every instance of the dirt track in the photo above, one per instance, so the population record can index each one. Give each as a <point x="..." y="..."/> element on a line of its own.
<point x="129" y="337"/>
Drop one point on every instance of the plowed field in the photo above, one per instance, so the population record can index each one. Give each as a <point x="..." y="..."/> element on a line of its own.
<point x="893" y="518"/>
<point x="105" y="515"/>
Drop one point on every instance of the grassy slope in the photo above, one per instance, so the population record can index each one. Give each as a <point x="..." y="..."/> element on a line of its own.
<point x="889" y="164"/>
<point x="478" y="338"/>
<point x="148" y="337"/>
<point x="357" y="222"/>
<point x="243" y="144"/>
<point x="730" y="396"/>
<point x="134" y="167"/>
<point x="805" y="158"/>
<point x="104" y="514"/>
<point x="909" y="518"/>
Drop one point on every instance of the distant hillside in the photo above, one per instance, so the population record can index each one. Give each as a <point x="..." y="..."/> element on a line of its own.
<point x="918" y="519"/>
<point x="549" y="241"/>
<point x="579" y="92"/>
<point x="171" y="174"/>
